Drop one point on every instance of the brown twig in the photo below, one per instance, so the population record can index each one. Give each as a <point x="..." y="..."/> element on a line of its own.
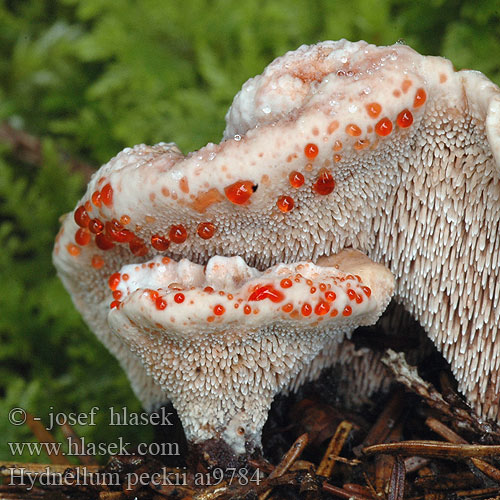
<point x="335" y="446"/>
<point x="444" y="431"/>
<point x="434" y="449"/>
<point x="408" y="376"/>
<point x="384" y="464"/>
<point x="397" y="481"/>
<point x="450" y="481"/>
<point x="342" y="493"/>
<point x="69" y="433"/>
<point x="111" y="495"/>
<point x="451" y="436"/>
<point x="479" y="493"/>
<point x="8" y="468"/>
<point x="290" y="456"/>
<point x="44" y="436"/>
<point x="358" y="489"/>
<point x="28" y="148"/>
<point x="385" y="421"/>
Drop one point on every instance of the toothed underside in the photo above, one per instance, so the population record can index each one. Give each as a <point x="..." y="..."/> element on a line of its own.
<point x="222" y="339"/>
<point x="334" y="145"/>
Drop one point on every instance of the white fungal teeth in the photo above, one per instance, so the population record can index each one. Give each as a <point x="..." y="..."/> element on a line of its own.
<point x="201" y="341"/>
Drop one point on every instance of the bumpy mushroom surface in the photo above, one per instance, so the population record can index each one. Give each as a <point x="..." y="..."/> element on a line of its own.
<point x="335" y="145"/>
<point x="222" y="340"/>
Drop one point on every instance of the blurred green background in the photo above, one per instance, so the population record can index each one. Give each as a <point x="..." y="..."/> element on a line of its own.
<point x="85" y="78"/>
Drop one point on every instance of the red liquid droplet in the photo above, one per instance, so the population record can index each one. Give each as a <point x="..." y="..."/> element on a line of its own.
<point x="287" y="308"/>
<point x="82" y="237"/>
<point x="373" y="109"/>
<point x="96" y="198"/>
<point x="114" y="304"/>
<point x="247" y="309"/>
<point x="311" y="151"/>
<point x="160" y="303"/>
<point x="96" y="226"/>
<point x="117" y="294"/>
<point x="286" y="283"/>
<point x="325" y="183"/>
<point x="178" y="234"/>
<point x="361" y="144"/>
<point x="240" y="192"/>
<point x="367" y="290"/>
<point x="159" y="242"/>
<point x="353" y="130"/>
<point x="219" y="310"/>
<point x="330" y="296"/>
<point x="383" y="127"/>
<point x="205" y="230"/>
<point x="114" y="281"/>
<point x="306" y="309"/>
<point x="285" y="203"/>
<point x="266" y="292"/>
<point x="82" y="217"/>
<point x="405" y="118"/>
<point x="406" y="85"/>
<point x="351" y="294"/>
<point x="97" y="262"/>
<point x="116" y="232"/>
<point x="73" y="249"/>
<point x="322" y="308"/>
<point x="179" y="298"/>
<point x="114" y="225"/>
<point x="333" y="127"/>
<point x="296" y="179"/>
<point x="103" y="242"/>
<point x="123" y="236"/>
<point x="137" y="247"/>
<point x="125" y="219"/>
<point x="420" y="98"/>
<point x="347" y="311"/>
<point x="107" y="195"/>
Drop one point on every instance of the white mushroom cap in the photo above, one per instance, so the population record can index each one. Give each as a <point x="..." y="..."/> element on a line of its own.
<point x="223" y="339"/>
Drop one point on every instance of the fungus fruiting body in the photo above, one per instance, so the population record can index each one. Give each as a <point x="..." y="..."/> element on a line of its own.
<point x="335" y="145"/>
<point x="221" y="340"/>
